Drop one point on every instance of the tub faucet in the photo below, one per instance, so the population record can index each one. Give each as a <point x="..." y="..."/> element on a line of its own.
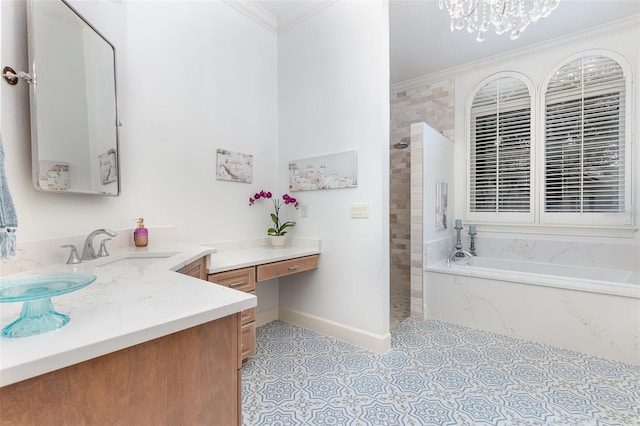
<point x="88" y="252"/>
<point x="457" y="253"/>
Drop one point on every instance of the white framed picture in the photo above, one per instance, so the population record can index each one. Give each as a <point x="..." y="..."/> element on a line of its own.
<point x="54" y="175"/>
<point x="108" y="166"/>
<point x="326" y="172"/>
<point x="234" y="166"/>
<point x="441" y="205"/>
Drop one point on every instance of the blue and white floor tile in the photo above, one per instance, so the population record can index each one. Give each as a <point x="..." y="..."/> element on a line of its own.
<point x="436" y="374"/>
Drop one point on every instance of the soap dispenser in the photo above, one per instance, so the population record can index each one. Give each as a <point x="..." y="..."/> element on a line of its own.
<point x="141" y="234"/>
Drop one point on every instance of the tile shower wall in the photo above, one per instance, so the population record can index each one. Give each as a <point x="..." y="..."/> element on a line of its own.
<point x="432" y="103"/>
<point x="399" y="217"/>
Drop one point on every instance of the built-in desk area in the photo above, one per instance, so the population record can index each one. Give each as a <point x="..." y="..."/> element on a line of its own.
<point x="240" y="265"/>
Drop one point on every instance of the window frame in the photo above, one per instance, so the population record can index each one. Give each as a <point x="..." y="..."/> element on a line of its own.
<point x="589" y="219"/>
<point x="538" y="221"/>
<point x="502" y="217"/>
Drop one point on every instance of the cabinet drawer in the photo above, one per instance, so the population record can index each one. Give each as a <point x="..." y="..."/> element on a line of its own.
<point x="286" y="267"/>
<point x="248" y="315"/>
<point x="248" y="340"/>
<point x="239" y="279"/>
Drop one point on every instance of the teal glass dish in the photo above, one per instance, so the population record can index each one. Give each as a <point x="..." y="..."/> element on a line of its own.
<point x="35" y="291"/>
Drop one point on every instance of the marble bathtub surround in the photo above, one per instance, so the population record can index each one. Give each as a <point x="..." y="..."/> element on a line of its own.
<point x="541" y="310"/>
<point x="594" y="318"/>
<point x="607" y="254"/>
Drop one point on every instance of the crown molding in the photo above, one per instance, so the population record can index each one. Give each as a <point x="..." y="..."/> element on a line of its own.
<point x="615" y="27"/>
<point x="302" y="11"/>
<point x="256" y="12"/>
<point x="288" y="18"/>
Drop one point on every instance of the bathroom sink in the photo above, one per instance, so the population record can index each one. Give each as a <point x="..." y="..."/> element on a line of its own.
<point x="137" y="259"/>
<point x="36" y="291"/>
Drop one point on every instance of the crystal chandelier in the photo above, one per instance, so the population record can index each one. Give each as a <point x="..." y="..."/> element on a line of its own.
<point x="505" y="15"/>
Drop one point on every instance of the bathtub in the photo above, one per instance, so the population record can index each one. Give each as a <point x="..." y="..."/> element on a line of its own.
<point x="581" y="278"/>
<point x="590" y="310"/>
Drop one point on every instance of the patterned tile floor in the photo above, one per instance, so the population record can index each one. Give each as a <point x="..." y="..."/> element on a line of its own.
<point x="436" y="374"/>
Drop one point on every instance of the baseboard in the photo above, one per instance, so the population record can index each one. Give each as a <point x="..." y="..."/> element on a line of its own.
<point x="373" y="342"/>
<point x="267" y="316"/>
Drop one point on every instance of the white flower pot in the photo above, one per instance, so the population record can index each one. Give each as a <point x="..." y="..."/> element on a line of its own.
<point x="277" y="241"/>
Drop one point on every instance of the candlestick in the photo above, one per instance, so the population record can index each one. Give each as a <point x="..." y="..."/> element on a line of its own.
<point x="472" y="249"/>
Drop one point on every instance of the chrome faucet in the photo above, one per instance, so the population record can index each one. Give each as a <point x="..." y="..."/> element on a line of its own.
<point x="88" y="252"/>
<point x="457" y="253"/>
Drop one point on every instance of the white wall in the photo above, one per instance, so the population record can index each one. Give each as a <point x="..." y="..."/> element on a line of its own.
<point x="438" y="155"/>
<point x="196" y="76"/>
<point x="193" y="76"/>
<point x="333" y="97"/>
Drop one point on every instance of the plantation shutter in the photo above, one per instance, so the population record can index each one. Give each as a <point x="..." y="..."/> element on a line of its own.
<point x="584" y="137"/>
<point x="500" y="147"/>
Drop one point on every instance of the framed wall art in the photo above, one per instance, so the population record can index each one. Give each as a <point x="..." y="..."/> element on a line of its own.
<point x="326" y="172"/>
<point x="234" y="166"/>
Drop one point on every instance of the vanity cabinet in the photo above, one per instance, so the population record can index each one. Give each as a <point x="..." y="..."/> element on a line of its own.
<point x="243" y="279"/>
<point x="197" y="269"/>
<point x="178" y="379"/>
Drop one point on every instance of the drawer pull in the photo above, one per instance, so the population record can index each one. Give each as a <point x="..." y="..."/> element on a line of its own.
<point x="239" y="283"/>
<point x="293" y="268"/>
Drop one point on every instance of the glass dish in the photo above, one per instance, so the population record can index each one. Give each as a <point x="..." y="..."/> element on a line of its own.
<point x="36" y="291"/>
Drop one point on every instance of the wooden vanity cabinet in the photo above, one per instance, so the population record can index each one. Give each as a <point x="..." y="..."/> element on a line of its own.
<point x="243" y="279"/>
<point x="197" y="269"/>
<point x="178" y="379"/>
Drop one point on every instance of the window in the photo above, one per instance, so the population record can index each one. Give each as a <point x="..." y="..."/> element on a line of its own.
<point x="585" y="168"/>
<point x="576" y="170"/>
<point x="500" y="149"/>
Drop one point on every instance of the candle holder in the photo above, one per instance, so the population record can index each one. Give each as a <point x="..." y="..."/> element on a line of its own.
<point x="472" y="248"/>
<point x="458" y="241"/>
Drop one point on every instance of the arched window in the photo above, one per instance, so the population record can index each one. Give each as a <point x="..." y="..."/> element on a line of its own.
<point x="586" y="160"/>
<point x="500" y="151"/>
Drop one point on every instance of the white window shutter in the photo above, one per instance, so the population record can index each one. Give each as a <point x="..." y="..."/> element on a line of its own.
<point x="584" y="150"/>
<point x="500" y="149"/>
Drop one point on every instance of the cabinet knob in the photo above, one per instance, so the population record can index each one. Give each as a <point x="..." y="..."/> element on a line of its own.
<point x="293" y="268"/>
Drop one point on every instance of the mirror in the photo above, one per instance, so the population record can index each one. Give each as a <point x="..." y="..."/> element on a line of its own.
<point x="73" y="101"/>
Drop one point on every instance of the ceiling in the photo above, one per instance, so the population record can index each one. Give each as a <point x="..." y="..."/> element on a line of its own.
<point x="421" y="41"/>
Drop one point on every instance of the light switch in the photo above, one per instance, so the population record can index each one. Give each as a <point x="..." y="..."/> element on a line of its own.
<point x="304" y="210"/>
<point x="359" y="210"/>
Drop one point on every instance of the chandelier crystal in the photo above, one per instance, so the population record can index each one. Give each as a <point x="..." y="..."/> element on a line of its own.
<point x="511" y="16"/>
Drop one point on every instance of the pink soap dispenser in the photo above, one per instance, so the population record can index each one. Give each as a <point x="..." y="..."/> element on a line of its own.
<point x="140" y="234"/>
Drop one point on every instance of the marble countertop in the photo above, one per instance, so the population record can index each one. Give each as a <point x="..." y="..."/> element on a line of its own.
<point x="132" y="301"/>
<point x="228" y="258"/>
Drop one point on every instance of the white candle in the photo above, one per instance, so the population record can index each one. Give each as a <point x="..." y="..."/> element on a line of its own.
<point x="458" y="223"/>
<point x="472" y="229"/>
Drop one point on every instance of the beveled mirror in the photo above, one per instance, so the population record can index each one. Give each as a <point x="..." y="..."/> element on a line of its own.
<point x="73" y="101"/>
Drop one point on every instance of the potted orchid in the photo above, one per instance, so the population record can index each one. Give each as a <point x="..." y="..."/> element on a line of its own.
<point x="278" y="231"/>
